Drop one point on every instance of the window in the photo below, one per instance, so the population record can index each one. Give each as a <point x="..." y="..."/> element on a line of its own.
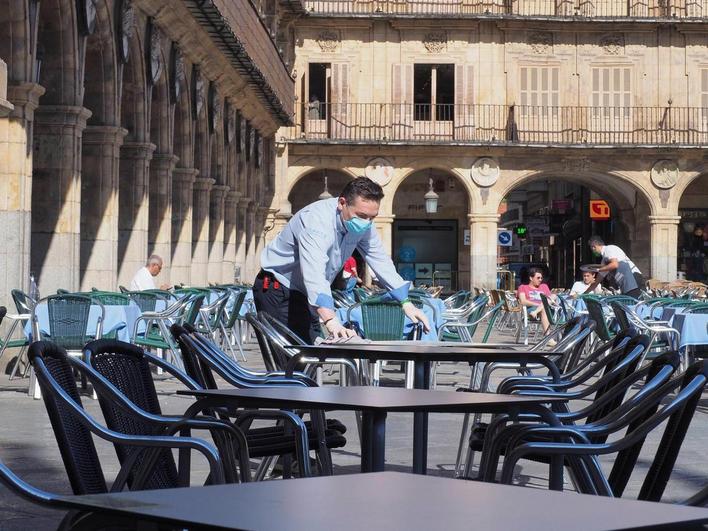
<point x="433" y="91"/>
<point x="317" y="97"/>
<point x="540" y="93"/>
<point x="611" y="91"/>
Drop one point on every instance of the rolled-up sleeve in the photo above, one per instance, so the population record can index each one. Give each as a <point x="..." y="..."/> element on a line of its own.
<point x="313" y="245"/>
<point x="378" y="259"/>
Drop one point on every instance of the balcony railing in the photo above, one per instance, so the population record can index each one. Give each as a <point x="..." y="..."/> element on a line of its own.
<point x="499" y="124"/>
<point x="541" y="8"/>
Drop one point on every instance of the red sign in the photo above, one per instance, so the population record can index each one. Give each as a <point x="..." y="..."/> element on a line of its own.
<point x="561" y="204"/>
<point x="599" y="210"/>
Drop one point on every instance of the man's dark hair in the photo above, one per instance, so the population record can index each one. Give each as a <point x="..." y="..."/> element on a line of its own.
<point x="596" y="240"/>
<point x="362" y="187"/>
<point x="534" y="270"/>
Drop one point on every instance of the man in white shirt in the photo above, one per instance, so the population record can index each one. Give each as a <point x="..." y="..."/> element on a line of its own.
<point x="143" y="279"/>
<point x="581" y="286"/>
<point x="618" y="266"/>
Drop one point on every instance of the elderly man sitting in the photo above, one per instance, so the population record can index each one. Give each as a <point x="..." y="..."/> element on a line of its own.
<point x="143" y="279"/>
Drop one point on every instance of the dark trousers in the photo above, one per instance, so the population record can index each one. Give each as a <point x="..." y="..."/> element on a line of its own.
<point x="288" y="306"/>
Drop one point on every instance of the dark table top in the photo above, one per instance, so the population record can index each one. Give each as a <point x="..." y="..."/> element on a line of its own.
<point x="373" y="398"/>
<point x="389" y="500"/>
<point x="418" y="350"/>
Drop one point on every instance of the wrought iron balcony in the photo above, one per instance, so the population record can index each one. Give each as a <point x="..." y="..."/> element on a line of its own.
<point x="377" y="123"/>
<point x="641" y="9"/>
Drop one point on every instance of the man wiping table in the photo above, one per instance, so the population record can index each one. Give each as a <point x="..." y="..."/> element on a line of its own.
<point x="298" y="267"/>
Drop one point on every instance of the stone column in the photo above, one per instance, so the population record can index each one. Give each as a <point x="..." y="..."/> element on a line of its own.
<point x="16" y="183"/>
<point x="252" y="257"/>
<point x="230" y="234"/>
<point x="217" y="199"/>
<point x="56" y="196"/>
<point x="483" y="250"/>
<point x="384" y="226"/>
<point x="160" y="211"/>
<point x="133" y="208"/>
<point x="242" y="237"/>
<point x="263" y="217"/>
<point x="664" y="247"/>
<point x="182" y="196"/>
<point x="99" y="206"/>
<point x="200" y="230"/>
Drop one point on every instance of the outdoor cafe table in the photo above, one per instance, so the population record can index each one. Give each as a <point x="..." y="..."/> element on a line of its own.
<point x="375" y="403"/>
<point x="422" y="354"/>
<point x="379" y="501"/>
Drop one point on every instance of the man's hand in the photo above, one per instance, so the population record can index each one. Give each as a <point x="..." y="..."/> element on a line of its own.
<point x="337" y="329"/>
<point x="165" y="287"/>
<point x="416" y="315"/>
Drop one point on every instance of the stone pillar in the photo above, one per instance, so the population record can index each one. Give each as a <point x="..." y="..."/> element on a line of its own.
<point x="160" y="210"/>
<point x="664" y="247"/>
<point x="56" y="196"/>
<point x="384" y="226"/>
<point x="16" y="183"/>
<point x="217" y="200"/>
<point x="281" y="218"/>
<point x="253" y="259"/>
<point x="182" y="196"/>
<point x="99" y="206"/>
<point x="241" y="237"/>
<point x="483" y="250"/>
<point x="133" y="208"/>
<point x="200" y="230"/>
<point x="263" y="225"/>
<point x="230" y="235"/>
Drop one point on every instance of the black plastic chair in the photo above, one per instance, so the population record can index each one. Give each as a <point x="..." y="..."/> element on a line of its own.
<point x="73" y="429"/>
<point x="126" y="369"/>
<point x="640" y="421"/>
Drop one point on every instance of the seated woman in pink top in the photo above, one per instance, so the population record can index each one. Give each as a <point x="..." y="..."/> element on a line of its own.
<point x="530" y="295"/>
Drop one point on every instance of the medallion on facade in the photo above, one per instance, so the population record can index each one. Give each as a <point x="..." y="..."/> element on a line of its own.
<point x="541" y="42"/>
<point x="665" y="174"/>
<point x="576" y="165"/>
<point x="485" y="172"/>
<point x="328" y="41"/>
<point x="126" y="26"/>
<point x="435" y="42"/>
<point x="197" y="91"/>
<point x="379" y="170"/>
<point x="176" y="73"/>
<point x="154" y="53"/>
<point x="612" y="44"/>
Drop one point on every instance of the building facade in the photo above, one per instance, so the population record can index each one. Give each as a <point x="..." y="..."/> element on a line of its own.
<point x="134" y="127"/>
<point x="492" y="97"/>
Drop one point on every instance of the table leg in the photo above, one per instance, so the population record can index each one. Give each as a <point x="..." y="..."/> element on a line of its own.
<point x="421" y="380"/>
<point x="373" y="441"/>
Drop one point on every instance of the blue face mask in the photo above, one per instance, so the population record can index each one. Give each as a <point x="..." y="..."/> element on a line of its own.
<point x="357" y="225"/>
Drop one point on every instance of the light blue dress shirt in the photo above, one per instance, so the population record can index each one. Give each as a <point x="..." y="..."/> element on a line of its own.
<point x="312" y="248"/>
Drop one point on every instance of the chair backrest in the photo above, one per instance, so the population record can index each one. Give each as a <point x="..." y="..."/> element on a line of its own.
<point x="269" y="358"/>
<point x="110" y="299"/>
<point x="547" y="308"/>
<point x="125" y="366"/>
<point x="146" y="301"/>
<point x="382" y="320"/>
<point x="239" y="297"/>
<point x="191" y="312"/>
<point x="596" y="314"/>
<point x="622" y="299"/>
<point x="621" y="315"/>
<point x="55" y="375"/>
<point x="68" y="319"/>
<point x="698" y="308"/>
<point x="23" y="302"/>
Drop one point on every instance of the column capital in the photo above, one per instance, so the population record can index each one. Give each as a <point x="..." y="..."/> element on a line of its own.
<point x="483" y="218"/>
<point x="163" y="161"/>
<point x="184" y="175"/>
<point x="244" y="202"/>
<point x="384" y="219"/>
<point x="232" y="196"/>
<point x="203" y="183"/>
<point x="104" y="134"/>
<point x="25" y="99"/>
<point x="137" y="150"/>
<point x="664" y="220"/>
<point x="62" y="116"/>
<point x="219" y="191"/>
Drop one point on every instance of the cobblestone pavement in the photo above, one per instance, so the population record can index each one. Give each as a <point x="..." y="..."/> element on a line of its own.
<point x="27" y="446"/>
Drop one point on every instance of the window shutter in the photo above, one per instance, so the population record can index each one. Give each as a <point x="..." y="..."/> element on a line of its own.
<point x="340" y="100"/>
<point x="464" y="100"/>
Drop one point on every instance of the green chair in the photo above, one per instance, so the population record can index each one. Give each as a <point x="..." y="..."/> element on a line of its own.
<point x="550" y="311"/>
<point x="108" y="298"/>
<point x="622" y="299"/>
<point x="464" y="330"/>
<point x="701" y="308"/>
<point x="228" y="327"/>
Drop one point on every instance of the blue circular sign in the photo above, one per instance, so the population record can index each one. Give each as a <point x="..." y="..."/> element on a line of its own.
<point x="504" y="237"/>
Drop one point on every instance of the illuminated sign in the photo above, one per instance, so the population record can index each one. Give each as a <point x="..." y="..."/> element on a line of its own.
<point x="599" y="210"/>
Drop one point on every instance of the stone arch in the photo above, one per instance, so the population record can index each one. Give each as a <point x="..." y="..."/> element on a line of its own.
<point x="16" y="46"/>
<point x="160" y="116"/>
<point x="413" y="167"/>
<point x="297" y="172"/>
<point x="58" y="43"/>
<point x="134" y="88"/>
<point x="687" y="179"/>
<point x="310" y="185"/>
<point x="182" y="130"/>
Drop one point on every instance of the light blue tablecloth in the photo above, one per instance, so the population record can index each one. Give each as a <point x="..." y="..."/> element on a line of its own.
<point x="435" y="318"/>
<point x="693" y="327"/>
<point x="120" y="319"/>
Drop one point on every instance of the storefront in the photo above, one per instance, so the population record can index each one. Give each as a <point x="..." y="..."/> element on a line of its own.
<point x="693" y="244"/>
